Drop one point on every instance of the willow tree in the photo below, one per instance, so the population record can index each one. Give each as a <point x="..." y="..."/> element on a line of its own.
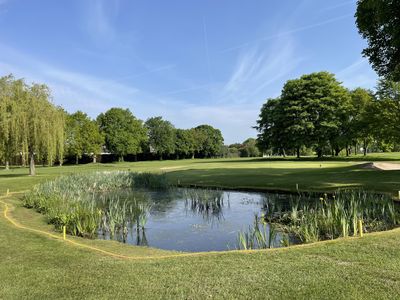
<point x="44" y="127"/>
<point x="11" y="91"/>
<point x="31" y="126"/>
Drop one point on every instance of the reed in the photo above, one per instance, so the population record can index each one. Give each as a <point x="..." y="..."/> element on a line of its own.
<point x="89" y="204"/>
<point x="206" y="202"/>
<point x="337" y="215"/>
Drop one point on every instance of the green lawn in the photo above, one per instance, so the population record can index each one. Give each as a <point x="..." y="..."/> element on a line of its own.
<point x="36" y="266"/>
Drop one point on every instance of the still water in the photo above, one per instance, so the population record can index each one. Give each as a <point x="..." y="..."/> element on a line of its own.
<point x="183" y="219"/>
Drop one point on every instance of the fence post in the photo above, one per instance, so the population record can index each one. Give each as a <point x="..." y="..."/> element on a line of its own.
<point x="360" y="227"/>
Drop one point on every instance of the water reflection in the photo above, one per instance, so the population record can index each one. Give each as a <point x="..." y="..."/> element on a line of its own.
<point x="185" y="219"/>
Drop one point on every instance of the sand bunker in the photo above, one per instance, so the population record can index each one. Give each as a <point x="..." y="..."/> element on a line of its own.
<point x="385" y="166"/>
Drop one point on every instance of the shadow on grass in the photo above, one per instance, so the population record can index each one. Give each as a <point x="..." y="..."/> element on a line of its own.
<point x="285" y="179"/>
<point x="358" y="158"/>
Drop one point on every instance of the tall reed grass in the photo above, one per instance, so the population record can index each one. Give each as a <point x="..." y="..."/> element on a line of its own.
<point x="336" y="215"/>
<point x="93" y="203"/>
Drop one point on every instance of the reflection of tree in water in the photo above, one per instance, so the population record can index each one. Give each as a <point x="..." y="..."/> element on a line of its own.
<point x="123" y="212"/>
<point x="205" y="202"/>
<point x="141" y="239"/>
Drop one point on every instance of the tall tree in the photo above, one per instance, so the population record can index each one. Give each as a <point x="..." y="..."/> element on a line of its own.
<point x="378" y="21"/>
<point x="270" y="127"/>
<point x="185" y="143"/>
<point x="161" y="135"/>
<point x="388" y="110"/>
<point x="44" y="132"/>
<point x="82" y="136"/>
<point x="209" y="141"/>
<point x="124" y="134"/>
<point x="249" y="148"/>
<point x="312" y="111"/>
<point x="362" y="119"/>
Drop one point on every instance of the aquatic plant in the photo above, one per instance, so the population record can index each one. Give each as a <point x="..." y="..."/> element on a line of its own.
<point x="206" y="202"/>
<point x="89" y="203"/>
<point x="337" y="215"/>
<point x="259" y="236"/>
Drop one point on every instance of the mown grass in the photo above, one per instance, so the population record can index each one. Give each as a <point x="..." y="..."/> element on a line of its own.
<point x="262" y="174"/>
<point x="34" y="266"/>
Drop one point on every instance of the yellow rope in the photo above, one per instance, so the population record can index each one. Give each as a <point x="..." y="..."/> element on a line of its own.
<point x="121" y="256"/>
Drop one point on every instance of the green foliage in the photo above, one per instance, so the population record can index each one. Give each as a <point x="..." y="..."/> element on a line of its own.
<point x="249" y="148"/>
<point x="124" y="134"/>
<point x="311" y="111"/>
<point x="336" y="216"/>
<point x="87" y="203"/>
<point x="185" y="143"/>
<point x="378" y="22"/>
<point x="30" y="125"/>
<point x="82" y="136"/>
<point x="209" y="141"/>
<point x="161" y="135"/>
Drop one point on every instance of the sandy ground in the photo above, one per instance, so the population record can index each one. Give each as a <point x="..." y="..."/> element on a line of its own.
<point x="381" y="166"/>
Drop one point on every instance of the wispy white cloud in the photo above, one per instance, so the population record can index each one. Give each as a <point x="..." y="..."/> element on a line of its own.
<point x="258" y="68"/>
<point x="98" y="19"/>
<point x="338" y="5"/>
<point x="286" y="33"/>
<point x="358" y="74"/>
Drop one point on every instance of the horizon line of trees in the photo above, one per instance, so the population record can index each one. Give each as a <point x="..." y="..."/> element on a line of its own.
<point x="315" y="113"/>
<point x="34" y="130"/>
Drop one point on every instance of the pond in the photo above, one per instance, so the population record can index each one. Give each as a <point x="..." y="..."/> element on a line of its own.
<point x="197" y="219"/>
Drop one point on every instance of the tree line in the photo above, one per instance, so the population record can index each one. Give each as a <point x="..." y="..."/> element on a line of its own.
<point x="34" y="130"/>
<point x="315" y="113"/>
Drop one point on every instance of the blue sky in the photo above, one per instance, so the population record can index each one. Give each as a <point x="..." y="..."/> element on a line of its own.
<point x="192" y="62"/>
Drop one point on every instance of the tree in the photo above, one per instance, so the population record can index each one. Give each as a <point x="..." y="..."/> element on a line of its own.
<point x="387" y="111"/>
<point x="44" y="127"/>
<point x="378" y="22"/>
<point x="311" y="111"/>
<point x="249" y="148"/>
<point x="124" y="134"/>
<point x="185" y="143"/>
<point x="82" y="136"/>
<point x="362" y="121"/>
<point x="31" y="127"/>
<point x="270" y="127"/>
<point x="209" y="141"/>
<point x="161" y="135"/>
<point x="7" y="119"/>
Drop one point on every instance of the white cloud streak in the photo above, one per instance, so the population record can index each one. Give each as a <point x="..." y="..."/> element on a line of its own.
<point x="358" y="74"/>
<point x="286" y="33"/>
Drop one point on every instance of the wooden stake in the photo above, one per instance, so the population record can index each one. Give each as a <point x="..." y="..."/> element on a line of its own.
<point x="64" y="233"/>
<point x="360" y="227"/>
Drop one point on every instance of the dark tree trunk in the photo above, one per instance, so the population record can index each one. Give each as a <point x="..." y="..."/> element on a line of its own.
<point x="337" y="151"/>
<point x="76" y="159"/>
<point x="298" y="152"/>
<point x="32" y="170"/>
<point x="319" y="152"/>
<point x="347" y="150"/>
<point x="365" y="147"/>
<point x="135" y="157"/>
